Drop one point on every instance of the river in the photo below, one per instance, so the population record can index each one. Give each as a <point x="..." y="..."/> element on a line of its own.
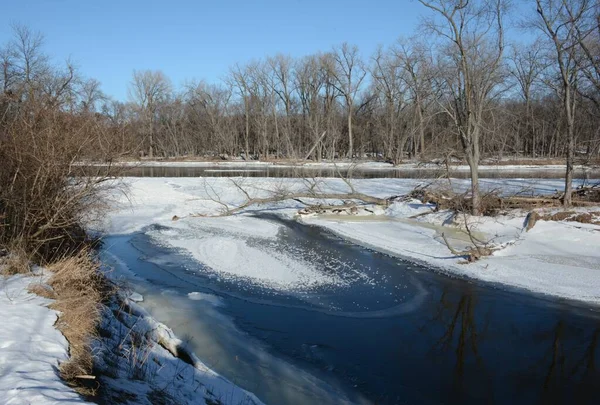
<point x="391" y="332"/>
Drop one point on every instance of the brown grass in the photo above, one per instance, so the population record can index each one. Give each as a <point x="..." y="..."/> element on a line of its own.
<point x="79" y="289"/>
<point x="592" y="217"/>
<point x="15" y="262"/>
<point x="42" y="289"/>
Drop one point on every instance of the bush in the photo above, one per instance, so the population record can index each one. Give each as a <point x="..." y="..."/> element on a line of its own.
<point x="45" y="197"/>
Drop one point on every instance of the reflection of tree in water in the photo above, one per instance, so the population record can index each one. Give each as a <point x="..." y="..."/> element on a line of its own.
<point x="461" y="335"/>
<point x="565" y="355"/>
<point x="569" y="367"/>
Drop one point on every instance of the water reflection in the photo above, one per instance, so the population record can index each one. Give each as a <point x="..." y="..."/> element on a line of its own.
<point x="497" y="351"/>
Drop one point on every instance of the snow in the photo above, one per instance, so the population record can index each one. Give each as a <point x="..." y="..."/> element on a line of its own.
<point x="135" y="354"/>
<point x="236" y="260"/>
<point x="30" y="348"/>
<point x="555" y="258"/>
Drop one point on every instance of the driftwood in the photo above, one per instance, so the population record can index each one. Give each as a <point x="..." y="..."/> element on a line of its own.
<point x="297" y="196"/>
<point x="493" y="202"/>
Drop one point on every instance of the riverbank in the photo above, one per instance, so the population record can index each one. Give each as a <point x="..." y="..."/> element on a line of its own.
<point x="135" y="357"/>
<point x="31" y="348"/>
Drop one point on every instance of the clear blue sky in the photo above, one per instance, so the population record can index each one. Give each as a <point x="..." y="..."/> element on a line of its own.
<point x="188" y="39"/>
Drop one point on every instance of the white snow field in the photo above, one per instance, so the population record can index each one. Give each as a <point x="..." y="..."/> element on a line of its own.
<point x="555" y="258"/>
<point x="30" y="348"/>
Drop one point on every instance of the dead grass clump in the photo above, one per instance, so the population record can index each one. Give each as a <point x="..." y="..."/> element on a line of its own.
<point x="592" y="217"/>
<point x="15" y="262"/>
<point x="80" y="288"/>
<point x="42" y="289"/>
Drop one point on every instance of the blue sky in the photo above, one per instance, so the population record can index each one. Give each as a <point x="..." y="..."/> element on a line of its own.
<point x="201" y="39"/>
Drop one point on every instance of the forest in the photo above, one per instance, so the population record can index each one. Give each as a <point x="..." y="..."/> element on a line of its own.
<point x="416" y="98"/>
<point x="460" y="89"/>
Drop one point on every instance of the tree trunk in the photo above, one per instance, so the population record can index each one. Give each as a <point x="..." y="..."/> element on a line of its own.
<point x="570" y="160"/>
<point x="247" y="134"/>
<point x="421" y="125"/>
<point x="570" y="113"/>
<point x="475" y="187"/>
<point x="350" y="140"/>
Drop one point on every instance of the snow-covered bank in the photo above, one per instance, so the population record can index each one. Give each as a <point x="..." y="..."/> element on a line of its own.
<point x="30" y="348"/>
<point x="136" y="355"/>
<point x="555" y="258"/>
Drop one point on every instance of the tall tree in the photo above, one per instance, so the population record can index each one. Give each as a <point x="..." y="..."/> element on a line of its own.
<point x="348" y="72"/>
<point x="559" y="21"/>
<point x="527" y="65"/>
<point x="148" y="89"/>
<point x="473" y="36"/>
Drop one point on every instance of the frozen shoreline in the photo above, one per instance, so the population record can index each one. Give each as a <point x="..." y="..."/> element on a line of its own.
<point x="564" y="265"/>
<point x="31" y="348"/>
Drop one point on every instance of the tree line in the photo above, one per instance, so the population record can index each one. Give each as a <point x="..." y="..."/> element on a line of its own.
<point x="456" y="89"/>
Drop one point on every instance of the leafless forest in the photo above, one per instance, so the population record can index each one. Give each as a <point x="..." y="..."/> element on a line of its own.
<point x="458" y="88"/>
<point x="458" y="85"/>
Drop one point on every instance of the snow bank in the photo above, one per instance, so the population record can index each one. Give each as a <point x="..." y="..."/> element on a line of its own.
<point x="554" y="258"/>
<point x="137" y="357"/>
<point x="30" y="348"/>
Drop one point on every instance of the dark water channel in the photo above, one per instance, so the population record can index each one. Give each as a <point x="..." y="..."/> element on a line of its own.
<point x="359" y="173"/>
<point x="401" y="334"/>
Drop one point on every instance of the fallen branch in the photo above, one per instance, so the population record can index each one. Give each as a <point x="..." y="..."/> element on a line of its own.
<point x="471" y="255"/>
<point x="297" y="196"/>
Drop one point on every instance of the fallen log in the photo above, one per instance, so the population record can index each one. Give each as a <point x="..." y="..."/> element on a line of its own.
<point x="297" y="196"/>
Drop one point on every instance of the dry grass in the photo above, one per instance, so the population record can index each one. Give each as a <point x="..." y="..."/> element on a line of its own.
<point x="15" y="262"/>
<point x="79" y="289"/>
<point x="43" y="290"/>
<point x="592" y="217"/>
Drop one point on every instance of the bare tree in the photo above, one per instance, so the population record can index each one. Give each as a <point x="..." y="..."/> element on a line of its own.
<point x="526" y="67"/>
<point x="90" y="95"/>
<point x="414" y="60"/>
<point x="148" y="90"/>
<point x="310" y="81"/>
<point x="30" y="63"/>
<point x="239" y="79"/>
<point x="389" y="87"/>
<point x="559" y="20"/>
<point x="473" y="34"/>
<point x="349" y="72"/>
<point x="283" y="80"/>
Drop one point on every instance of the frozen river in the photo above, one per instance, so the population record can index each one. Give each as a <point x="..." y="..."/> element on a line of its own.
<point x="349" y="325"/>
